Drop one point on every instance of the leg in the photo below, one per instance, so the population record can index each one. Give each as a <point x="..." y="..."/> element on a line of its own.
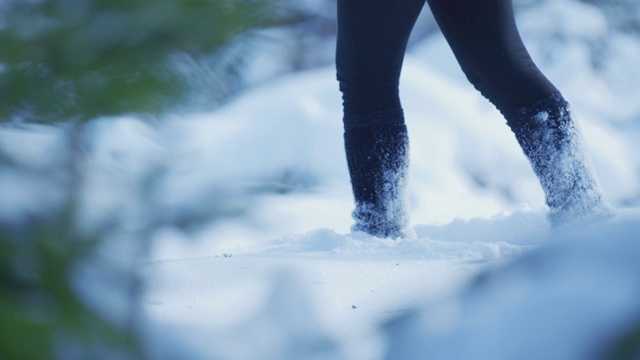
<point x="552" y="141"/>
<point x="372" y="38"/>
<point x="485" y="40"/>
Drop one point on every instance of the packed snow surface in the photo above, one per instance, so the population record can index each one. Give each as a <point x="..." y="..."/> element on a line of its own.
<point x="293" y="282"/>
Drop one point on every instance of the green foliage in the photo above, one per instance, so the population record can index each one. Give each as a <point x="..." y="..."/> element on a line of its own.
<point x="70" y="61"/>
<point x="86" y="58"/>
<point x="626" y="346"/>
<point x="41" y="315"/>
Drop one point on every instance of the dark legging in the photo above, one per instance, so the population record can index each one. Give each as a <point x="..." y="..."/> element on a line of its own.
<point x="372" y="39"/>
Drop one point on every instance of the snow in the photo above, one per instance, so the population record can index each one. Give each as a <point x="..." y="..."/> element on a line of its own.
<point x="343" y="298"/>
<point x="278" y="275"/>
<point x="573" y="299"/>
<point x="476" y="205"/>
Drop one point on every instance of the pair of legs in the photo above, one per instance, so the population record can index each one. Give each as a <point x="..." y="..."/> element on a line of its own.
<point x="373" y="35"/>
<point x="372" y="39"/>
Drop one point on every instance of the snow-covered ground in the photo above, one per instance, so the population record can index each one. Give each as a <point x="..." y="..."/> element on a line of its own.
<point x="291" y="282"/>
<point x="278" y="275"/>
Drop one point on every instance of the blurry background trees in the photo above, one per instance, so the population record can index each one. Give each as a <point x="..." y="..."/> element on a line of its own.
<point x="622" y="14"/>
<point x="304" y="44"/>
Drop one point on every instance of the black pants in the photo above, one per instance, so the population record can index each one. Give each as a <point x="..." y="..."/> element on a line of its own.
<point x="372" y="39"/>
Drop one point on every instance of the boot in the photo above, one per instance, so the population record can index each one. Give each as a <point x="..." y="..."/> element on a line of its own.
<point x="552" y="141"/>
<point x="378" y="159"/>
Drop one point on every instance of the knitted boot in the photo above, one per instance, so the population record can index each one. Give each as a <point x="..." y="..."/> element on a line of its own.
<point x="378" y="157"/>
<point x="551" y="139"/>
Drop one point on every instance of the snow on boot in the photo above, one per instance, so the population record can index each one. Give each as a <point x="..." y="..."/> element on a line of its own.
<point x="551" y="139"/>
<point x="378" y="158"/>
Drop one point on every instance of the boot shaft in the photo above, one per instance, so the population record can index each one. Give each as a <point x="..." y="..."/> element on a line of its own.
<point x="378" y="160"/>
<point x="552" y="141"/>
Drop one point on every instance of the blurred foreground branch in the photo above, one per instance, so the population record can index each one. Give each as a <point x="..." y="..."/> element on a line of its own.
<point x="64" y="63"/>
<point x="66" y="58"/>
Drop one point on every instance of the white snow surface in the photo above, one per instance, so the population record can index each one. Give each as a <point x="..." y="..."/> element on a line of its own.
<point x="293" y="283"/>
<point x="279" y="275"/>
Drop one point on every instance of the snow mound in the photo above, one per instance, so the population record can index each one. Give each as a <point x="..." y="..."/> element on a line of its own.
<point x="575" y="298"/>
<point x="476" y="240"/>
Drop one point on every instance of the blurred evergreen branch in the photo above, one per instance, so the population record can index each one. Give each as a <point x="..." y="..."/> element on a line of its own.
<point x="66" y="62"/>
<point x="626" y="346"/>
<point x="41" y="315"/>
<point x="90" y="58"/>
